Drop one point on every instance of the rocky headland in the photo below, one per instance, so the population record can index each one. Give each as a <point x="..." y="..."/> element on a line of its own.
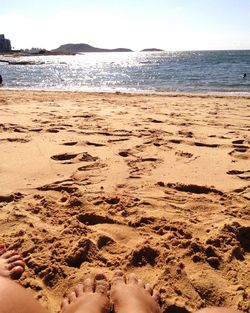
<point x="82" y="47"/>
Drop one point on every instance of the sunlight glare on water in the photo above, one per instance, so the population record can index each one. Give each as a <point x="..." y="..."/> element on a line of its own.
<point x="193" y="71"/>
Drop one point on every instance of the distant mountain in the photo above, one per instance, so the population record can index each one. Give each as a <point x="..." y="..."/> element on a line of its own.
<point x="82" y="47"/>
<point x="152" y="50"/>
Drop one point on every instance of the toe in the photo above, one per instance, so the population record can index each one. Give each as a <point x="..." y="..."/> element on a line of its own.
<point x="16" y="272"/>
<point x="132" y="279"/>
<point x="72" y="296"/>
<point x="64" y="304"/>
<point x="118" y="279"/>
<point x="9" y="254"/>
<point x="14" y="258"/>
<point x="156" y="295"/>
<point x="88" y="285"/>
<point x="101" y="284"/>
<point x="16" y="263"/>
<point x="149" y="289"/>
<point x="79" y="290"/>
<point x="141" y="283"/>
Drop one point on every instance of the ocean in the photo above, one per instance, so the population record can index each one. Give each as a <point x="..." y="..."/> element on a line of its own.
<point x="175" y="72"/>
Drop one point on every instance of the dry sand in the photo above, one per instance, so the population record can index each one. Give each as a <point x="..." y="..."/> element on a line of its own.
<point x="153" y="184"/>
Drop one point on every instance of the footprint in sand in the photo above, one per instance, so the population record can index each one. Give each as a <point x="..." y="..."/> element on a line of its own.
<point x="13" y="127"/>
<point x="141" y="166"/>
<point x="202" y="144"/>
<point x="76" y="157"/>
<point x="152" y="120"/>
<point x="70" y="143"/>
<point x="184" y="154"/>
<point x="238" y="142"/>
<point x="244" y="238"/>
<point x="93" y="219"/>
<point x="117" y="140"/>
<point x="233" y="238"/>
<point x="187" y="134"/>
<point x="86" y="157"/>
<point x="93" y="166"/>
<point x="143" y="256"/>
<point x="240" y="149"/>
<point x="176" y="141"/>
<point x="124" y="154"/>
<point x="193" y="188"/>
<point x="36" y="130"/>
<point x="57" y="186"/>
<point x="84" y="250"/>
<point x="240" y="174"/>
<point x="11" y="197"/>
<point x="64" y="156"/>
<point x="104" y="241"/>
<point x="52" y="130"/>
<point x="95" y="144"/>
<point x="20" y="140"/>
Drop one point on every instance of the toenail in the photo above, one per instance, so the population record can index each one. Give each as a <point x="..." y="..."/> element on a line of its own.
<point x="119" y="274"/>
<point x="100" y="277"/>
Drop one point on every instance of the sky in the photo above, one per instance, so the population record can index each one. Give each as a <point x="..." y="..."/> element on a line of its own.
<point x="135" y="24"/>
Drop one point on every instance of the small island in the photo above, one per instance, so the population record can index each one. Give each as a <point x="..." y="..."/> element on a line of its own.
<point x="152" y="50"/>
<point x="65" y="49"/>
<point x="82" y="47"/>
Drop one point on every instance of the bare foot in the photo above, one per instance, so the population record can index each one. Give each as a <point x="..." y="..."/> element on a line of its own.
<point x="89" y="297"/>
<point x="130" y="295"/>
<point x="11" y="263"/>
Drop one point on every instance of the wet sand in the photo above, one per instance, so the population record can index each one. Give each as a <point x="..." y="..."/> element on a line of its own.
<point x="157" y="185"/>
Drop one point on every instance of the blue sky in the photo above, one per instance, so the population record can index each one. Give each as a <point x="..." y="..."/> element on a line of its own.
<point x="137" y="24"/>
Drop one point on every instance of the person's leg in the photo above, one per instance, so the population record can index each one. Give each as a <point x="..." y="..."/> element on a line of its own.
<point x="130" y="295"/>
<point x="15" y="299"/>
<point x="88" y="297"/>
<point x="11" y="263"/>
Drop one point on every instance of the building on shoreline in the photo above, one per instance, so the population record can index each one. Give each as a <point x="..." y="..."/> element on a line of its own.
<point x="5" y="44"/>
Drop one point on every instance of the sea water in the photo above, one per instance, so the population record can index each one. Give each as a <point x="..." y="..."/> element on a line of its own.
<point x="188" y="71"/>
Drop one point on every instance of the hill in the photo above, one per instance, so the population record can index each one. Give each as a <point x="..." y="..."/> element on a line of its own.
<point x="82" y="47"/>
<point x="152" y="50"/>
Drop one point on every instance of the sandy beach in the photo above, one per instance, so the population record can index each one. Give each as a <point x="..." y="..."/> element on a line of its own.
<point x="158" y="185"/>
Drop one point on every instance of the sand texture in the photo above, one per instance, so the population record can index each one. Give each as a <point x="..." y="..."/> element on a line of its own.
<point x="152" y="184"/>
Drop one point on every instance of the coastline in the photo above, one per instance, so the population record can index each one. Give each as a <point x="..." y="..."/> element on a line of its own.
<point x="214" y="94"/>
<point x="151" y="183"/>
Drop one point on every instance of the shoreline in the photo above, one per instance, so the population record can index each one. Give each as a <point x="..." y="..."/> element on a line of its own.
<point x="143" y="93"/>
